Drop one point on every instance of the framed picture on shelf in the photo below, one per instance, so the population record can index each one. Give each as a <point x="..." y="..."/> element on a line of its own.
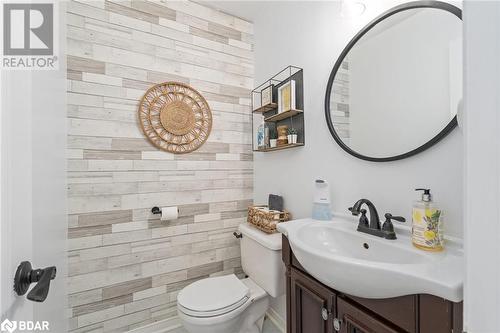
<point x="286" y="97"/>
<point x="266" y="95"/>
<point x="256" y="100"/>
<point x="260" y="136"/>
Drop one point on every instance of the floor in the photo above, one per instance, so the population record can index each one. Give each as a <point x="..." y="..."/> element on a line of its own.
<point x="269" y="327"/>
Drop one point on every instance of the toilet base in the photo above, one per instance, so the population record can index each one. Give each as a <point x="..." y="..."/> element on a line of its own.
<point x="255" y="327"/>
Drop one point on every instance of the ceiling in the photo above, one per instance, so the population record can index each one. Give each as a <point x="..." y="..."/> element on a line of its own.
<point x="248" y="10"/>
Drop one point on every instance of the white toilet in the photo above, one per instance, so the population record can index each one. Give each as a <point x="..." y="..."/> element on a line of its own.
<point x="226" y="304"/>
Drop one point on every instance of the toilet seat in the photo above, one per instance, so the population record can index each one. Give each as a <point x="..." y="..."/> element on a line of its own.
<point x="213" y="296"/>
<point x="214" y="313"/>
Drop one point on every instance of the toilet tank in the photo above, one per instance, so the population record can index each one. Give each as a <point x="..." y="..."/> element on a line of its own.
<point x="261" y="259"/>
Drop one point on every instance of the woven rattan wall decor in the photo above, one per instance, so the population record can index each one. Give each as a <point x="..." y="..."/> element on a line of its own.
<point x="175" y="117"/>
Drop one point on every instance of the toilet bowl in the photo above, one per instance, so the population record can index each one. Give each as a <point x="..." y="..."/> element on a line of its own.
<point x="225" y="304"/>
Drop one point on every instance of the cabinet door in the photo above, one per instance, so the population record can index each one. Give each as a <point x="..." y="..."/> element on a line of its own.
<point x="436" y="315"/>
<point x="312" y="305"/>
<point x="354" y="320"/>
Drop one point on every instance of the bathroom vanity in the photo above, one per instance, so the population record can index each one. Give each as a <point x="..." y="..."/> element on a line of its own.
<point x="313" y="307"/>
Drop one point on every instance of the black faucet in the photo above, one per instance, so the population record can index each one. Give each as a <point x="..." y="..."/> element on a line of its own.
<point x="372" y="226"/>
<point x="356" y="209"/>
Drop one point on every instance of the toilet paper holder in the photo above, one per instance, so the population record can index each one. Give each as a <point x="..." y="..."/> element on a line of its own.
<point x="157" y="210"/>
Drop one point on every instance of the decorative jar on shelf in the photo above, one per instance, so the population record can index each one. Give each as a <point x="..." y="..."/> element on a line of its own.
<point x="282" y="135"/>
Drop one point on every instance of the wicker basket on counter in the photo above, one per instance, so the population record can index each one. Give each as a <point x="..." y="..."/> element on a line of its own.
<point x="266" y="220"/>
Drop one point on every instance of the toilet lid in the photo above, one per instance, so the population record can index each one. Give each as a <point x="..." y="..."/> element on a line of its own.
<point x="214" y="295"/>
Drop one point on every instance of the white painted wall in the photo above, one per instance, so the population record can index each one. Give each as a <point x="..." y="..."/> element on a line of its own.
<point x="311" y="35"/>
<point x="482" y="166"/>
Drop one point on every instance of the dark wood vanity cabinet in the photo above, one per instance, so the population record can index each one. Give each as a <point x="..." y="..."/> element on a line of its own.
<point x="315" y="308"/>
<point x="353" y="319"/>
<point x="311" y="305"/>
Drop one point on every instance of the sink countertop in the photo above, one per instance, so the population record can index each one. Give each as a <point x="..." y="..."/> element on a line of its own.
<point x="372" y="267"/>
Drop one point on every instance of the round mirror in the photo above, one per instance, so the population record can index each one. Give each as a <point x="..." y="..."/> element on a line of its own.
<point x="396" y="87"/>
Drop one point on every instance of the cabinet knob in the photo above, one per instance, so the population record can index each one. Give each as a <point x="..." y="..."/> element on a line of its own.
<point x="324" y="314"/>
<point x="337" y="323"/>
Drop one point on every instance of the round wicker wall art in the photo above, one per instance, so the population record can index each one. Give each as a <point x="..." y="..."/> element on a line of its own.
<point x="175" y="117"/>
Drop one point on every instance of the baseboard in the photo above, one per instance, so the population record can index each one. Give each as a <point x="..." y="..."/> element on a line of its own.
<point x="161" y="326"/>
<point x="277" y="320"/>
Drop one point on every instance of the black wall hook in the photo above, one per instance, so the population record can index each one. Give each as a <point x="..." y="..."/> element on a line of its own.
<point x="26" y="275"/>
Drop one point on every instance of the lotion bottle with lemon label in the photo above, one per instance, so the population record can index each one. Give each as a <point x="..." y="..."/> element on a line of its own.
<point x="427" y="231"/>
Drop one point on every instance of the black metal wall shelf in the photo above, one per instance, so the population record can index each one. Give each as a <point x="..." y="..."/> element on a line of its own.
<point x="287" y="146"/>
<point x="283" y="115"/>
<point x="266" y="108"/>
<point x="268" y="116"/>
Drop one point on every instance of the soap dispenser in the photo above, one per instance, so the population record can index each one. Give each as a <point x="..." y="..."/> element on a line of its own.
<point x="321" y="204"/>
<point x="427" y="230"/>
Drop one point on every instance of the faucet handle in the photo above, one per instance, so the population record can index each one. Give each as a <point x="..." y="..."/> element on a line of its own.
<point x="363" y="220"/>
<point x="388" y="227"/>
<point x="388" y="217"/>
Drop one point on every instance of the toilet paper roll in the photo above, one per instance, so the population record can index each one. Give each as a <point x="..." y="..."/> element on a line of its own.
<point x="169" y="213"/>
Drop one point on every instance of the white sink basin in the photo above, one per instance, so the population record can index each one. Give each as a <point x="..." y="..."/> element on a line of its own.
<point x="371" y="267"/>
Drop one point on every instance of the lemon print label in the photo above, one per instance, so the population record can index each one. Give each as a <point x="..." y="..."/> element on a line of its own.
<point x="426" y="231"/>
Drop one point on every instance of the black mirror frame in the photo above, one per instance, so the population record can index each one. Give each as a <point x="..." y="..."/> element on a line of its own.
<point x="451" y="125"/>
